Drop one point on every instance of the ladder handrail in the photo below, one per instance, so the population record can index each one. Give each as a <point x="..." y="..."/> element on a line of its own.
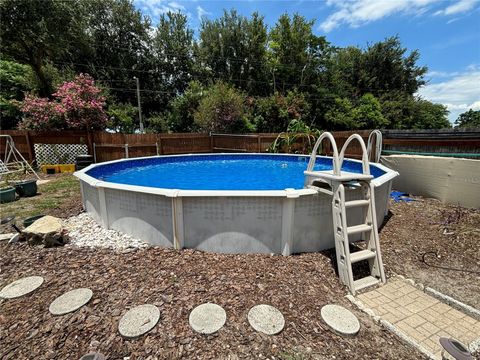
<point x="365" y="162"/>
<point x="378" y="144"/>
<point x="335" y="160"/>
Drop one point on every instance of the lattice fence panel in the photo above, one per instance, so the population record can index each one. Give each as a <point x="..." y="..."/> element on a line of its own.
<point x="58" y="153"/>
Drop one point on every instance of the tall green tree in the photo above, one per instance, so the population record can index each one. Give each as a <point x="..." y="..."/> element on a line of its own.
<point x="172" y="61"/>
<point x="233" y="48"/>
<point x="296" y="56"/>
<point x="118" y="35"/>
<point x="38" y="32"/>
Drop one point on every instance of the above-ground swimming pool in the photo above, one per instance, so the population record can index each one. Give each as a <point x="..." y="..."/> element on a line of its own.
<point x="233" y="203"/>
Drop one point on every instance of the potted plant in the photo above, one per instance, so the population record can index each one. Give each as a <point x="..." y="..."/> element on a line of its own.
<point x="7" y="192"/>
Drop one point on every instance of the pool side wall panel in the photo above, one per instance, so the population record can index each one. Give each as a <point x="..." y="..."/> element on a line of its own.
<point x="144" y="216"/>
<point x="233" y="224"/>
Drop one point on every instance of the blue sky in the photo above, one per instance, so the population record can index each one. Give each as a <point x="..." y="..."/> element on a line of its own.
<point x="446" y="32"/>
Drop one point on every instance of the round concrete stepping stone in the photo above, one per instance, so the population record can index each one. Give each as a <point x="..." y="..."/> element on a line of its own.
<point x="70" y="301"/>
<point x="340" y="320"/>
<point x="21" y="287"/>
<point x="207" y="318"/>
<point x="138" y="321"/>
<point x="266" y="319"/>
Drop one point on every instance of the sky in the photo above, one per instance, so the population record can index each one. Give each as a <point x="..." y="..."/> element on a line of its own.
<point x="445" y="32"/>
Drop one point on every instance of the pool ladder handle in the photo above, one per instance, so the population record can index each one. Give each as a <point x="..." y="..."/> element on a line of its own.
<point x="338" y="182"/>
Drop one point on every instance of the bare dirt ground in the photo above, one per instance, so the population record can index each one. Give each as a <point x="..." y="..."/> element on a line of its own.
<point x="445" y="236"/>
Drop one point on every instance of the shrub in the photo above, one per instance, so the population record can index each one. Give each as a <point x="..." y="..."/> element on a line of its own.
<point x="223" y="110"/>
<point x="77" y="104"/>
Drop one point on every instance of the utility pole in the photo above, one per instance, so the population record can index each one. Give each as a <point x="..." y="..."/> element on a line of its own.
<point x="139" y="104"/>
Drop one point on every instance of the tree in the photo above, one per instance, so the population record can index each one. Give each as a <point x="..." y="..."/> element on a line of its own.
<point x="368" y="113"/>
<point x="118" y="45"/>
<point x="77" y="104"/>
<point x="340" y="116"/>
<point x="296" y="55"/>
<point x="233" y="48"/>
<point x="15" y="79"/>
<point x="222" y="110"/>
<point x="409" y="112"/>
<point x="468" y="119"/>
<point x="276" y="112"/>
<point x="121" y="118"/>
<point x="36" y="32"/>
<point x="171" y="58"/>
<point x="182" y="108"/>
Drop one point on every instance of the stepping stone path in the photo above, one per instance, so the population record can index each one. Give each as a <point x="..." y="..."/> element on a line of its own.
<point x="207" y="318"/>
<point x="70" y="301"/>
<point x="266" y="319"/>
<point x="21" y="287"/>
<point x="340" y="320"/>
<point x="138" y="321"/>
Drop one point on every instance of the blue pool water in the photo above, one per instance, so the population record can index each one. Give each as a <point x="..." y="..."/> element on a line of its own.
<point x="218" y="172"/>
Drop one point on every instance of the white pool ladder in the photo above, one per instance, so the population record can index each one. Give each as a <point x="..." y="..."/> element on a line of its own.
<point x="335" y="183"/>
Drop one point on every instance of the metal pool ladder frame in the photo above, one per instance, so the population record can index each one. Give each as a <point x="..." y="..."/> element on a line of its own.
<point x="335" y="183"/>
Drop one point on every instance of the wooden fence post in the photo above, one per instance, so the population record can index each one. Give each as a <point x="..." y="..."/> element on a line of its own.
<point x="259" y="143"/>
<point x="89" y="142"/>
<point x="31" y="150"/>
<point x="126" y="151"/>
<point x="160" y="145"/>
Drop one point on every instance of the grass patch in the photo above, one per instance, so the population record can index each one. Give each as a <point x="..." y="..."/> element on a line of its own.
<point x="55" y="194"/>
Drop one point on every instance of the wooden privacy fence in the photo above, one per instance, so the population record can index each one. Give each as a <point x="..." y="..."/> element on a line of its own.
<point x="111" y="146"/>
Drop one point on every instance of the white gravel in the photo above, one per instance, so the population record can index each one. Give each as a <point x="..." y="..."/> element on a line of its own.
<point x="84" y="231"/>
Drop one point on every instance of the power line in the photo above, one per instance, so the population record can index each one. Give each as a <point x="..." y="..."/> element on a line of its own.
<point x="206" y="77"/>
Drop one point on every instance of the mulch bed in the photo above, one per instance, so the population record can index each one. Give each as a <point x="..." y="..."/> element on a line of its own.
<point x="176" y="282"/>
<point x="448" y="235"/>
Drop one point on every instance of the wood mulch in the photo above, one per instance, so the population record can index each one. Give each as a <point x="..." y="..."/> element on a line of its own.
<point x="445" y="236"/>
<point x="176" y="282"/>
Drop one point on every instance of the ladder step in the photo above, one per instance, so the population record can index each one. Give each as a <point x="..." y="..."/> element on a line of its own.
<point x="362" y="255"/>
<point x="355" y="203"/>
<point x="365" y="282"/>
<point x="358" y="229"/>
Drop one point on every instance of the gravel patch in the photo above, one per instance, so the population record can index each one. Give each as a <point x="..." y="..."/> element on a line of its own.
<point x="84" y="231"/>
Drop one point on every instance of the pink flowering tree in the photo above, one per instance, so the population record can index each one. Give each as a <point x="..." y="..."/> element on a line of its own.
<point x="77" y="104"/>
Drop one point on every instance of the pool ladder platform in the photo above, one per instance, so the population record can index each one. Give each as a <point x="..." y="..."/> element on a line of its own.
<point x="336" y="183"/>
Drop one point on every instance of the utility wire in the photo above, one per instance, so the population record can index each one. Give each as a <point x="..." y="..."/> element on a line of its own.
<point x="206" y="77"/>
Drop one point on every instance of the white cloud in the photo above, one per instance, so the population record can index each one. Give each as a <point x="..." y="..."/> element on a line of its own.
<point x="458" y="93"/>
<point x="457" y="8"/>
<point x="201" y="12"/>
<point x="155" y="8"/>
<point x="361" y="12"/>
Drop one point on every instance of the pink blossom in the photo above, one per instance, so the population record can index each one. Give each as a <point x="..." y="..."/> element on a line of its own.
<point x="77" y="104"/>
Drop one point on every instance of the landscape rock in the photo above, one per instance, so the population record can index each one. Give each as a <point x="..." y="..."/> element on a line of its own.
<point x="47" y="231"/>
<point x="84" y="231"/>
